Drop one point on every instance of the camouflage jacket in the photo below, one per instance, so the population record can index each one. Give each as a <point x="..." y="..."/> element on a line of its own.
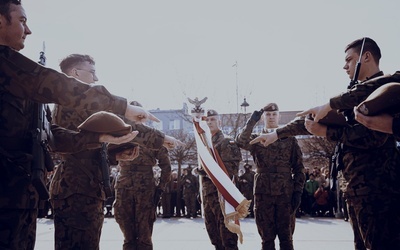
<point x="280" y="169"/>
<point x="190" y="185"/>
<point x="370" y="157"/>
<point x="140" y="170"/>
<point x="246" y="182"/>
<point x="80" y="173"/>
<point x="231" y="157"/>
<point x="22" y="82"/>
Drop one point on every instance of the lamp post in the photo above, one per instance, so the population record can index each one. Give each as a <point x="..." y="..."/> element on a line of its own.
<point x="244" y="105"/>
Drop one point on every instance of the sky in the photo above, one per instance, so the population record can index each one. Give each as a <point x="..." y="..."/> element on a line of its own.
<point x="163" y="52"/>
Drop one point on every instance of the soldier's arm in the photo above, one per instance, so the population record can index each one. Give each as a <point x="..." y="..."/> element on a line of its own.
<point x="148" y="137"/>
<point x="25" y="78"/>
<point x="293" y="128"/>
<point x="361" y="91"/>
<point x="68" y="141"/>
<point x="165" y="164"/>
<point x="299" y="177"/>
<point x="243" y="139"/>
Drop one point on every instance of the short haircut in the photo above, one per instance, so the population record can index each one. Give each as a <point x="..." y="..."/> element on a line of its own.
<point x="74" y="59"/>
<point x="5" y="8"/>
<point x="370" y="45"/>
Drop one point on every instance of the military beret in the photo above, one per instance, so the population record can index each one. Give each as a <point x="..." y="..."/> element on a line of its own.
<point x="271" y="107"/>
<point x="211" y="112"/>
<point x="105" y="123"/>
<point x="385" y="99"/>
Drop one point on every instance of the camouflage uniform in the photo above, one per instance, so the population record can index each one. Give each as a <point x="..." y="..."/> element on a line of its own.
<point x="371" y="161"/>
<point x="77" y="195"/>
<point x="280" y="173"/>
<point x="135" y="203"/>
<point x="219" y="235"/>
<point x="190" y="186"/>
<point x="23" y="82"/>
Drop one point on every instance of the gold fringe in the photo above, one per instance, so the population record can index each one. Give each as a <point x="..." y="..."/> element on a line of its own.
<point x="242" y="210"/>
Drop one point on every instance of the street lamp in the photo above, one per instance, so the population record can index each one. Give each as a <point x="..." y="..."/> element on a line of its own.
<point x="244" y="105"/>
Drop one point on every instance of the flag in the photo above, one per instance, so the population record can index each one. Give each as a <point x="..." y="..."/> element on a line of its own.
<point x="233" y="204"/>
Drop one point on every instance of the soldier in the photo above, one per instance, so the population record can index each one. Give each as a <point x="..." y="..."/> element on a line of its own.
<point x="77" y="193"/>
<point x="230" y="154"/>
<point x="137" y="195"/>
<point x="246" y="186"/>
<point x="279" y="180"/>
<point x="370" y="158"/>
<point x="168" y="199"/>
<point x="22" y="83"/>
<point x="190" y="185"/>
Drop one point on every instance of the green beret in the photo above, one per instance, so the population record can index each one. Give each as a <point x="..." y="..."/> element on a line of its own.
<point x="271" y="107"/>
<point x="105" y="123"/>
<point x="211" y="112"/>
<point x="385" y="99"/>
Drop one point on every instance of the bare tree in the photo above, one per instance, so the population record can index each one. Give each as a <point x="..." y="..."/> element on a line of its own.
<point x="317" y="150"/>
<point x="186" y="154"/>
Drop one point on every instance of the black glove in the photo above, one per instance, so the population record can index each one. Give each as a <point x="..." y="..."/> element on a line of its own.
<point x="201" y="172"/>
<point x="157" y="196"/>
<point x="296" y="200"/>
<point x="256" y="115"/>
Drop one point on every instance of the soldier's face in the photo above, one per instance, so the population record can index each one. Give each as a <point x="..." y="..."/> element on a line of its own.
<point x="213" y="123"/>
<point x="350" y="64"/>
<point x="85" y="72"/>
<point x="13" y="33"/>
<point x="271" y="119"/>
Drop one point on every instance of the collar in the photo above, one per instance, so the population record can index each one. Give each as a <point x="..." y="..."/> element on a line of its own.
<point x="380" y="73"/>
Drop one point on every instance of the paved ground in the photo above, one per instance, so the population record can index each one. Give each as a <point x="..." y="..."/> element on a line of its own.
<point x="190" y="234"/>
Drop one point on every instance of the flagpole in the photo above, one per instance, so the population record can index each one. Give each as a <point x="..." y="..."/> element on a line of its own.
<point x="237" y="87"/>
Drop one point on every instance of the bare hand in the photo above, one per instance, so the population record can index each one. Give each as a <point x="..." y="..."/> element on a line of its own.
<point x="171" y="142"/>
<point x="317" y="113"/>
<point x="128" y="154"/>
<point x="381" y="123"/>
<point x="118" y="140"/>
<point x="315" y="128"/>
<point x="138" y="114"/>
<point x="265" y="139"/>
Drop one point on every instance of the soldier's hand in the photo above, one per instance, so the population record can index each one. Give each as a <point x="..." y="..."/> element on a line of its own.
<point x="256" y="115"/>
<point x="138" y="114"/>
<point x="266" y="139"/>
<point x="118" y="140"/>
<point x="315" y="128"/>
<point x="128" y="154"/>
<point x="317" y="113"/>
<point x="171" y="142"/>
<point x="382" y="123"/>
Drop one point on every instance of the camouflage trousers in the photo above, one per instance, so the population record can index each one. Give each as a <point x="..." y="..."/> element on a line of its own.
<point x="190" y="203"/>
<point x="274" y="217"/>
<point x="220" y="236"/>
<point x="18" y="228"/>
<point x="135" y="214"/>
<point x="358" y="241"/>
<point x="378" y="220"/>
<point x="78" y="221"/>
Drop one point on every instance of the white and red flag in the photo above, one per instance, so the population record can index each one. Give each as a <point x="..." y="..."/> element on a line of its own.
<point x="233" y="204"/>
